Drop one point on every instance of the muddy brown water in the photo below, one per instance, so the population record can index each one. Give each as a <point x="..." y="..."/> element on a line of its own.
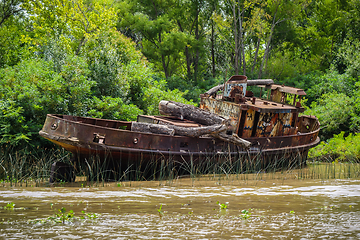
<point x="277" y="208"/>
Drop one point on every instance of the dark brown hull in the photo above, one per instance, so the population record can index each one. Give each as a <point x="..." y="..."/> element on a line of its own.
<point x="86" y="137"/>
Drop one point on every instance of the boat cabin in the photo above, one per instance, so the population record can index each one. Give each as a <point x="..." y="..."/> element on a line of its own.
<point x="274" y="113"/>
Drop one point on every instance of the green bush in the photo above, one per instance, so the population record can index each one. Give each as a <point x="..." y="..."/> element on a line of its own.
<point x="113" y="108"/>
<point x="32" y="89"/>
<point x="154" y="94"/>
<point x="334" y="111"/>
<point x="339" y="147"/>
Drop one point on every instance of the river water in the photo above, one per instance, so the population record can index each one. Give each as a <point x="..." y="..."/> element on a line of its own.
<point x="185" y="209"/>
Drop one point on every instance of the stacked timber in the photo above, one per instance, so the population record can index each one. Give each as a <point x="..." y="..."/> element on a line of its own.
<point x="214" y="125"/>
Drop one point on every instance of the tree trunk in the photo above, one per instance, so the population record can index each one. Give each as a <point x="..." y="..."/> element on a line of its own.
<point x="189" y="112"/>
<point x="256" y="55"/>
<point x="217" y="131"/>
<point x="152" y="128"/>
<point x="204" y="117"/>
<point x="177" y="130"/>
<point x="236" y="52"/>
<point x="267" y="49"/>
<point x="197" y="52"/>
<point x="241" y="39"/>
<point x="213" y="49"/>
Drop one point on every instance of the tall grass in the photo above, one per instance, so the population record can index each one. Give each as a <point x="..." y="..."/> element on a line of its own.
<point x="26" y="169"/>
<point x="22" y="167"/>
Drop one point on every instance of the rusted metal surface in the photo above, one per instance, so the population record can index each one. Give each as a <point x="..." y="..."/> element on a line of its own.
<point x="235" y="83"/>
<point x="286" y="89"/>
<point x="275" y="124"/>
<point x="249" y="123"/>
<point x="80" y="136"/>
<point x="225" y="109"/>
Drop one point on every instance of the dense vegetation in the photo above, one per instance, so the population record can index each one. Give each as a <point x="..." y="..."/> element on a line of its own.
<point x="117" y="59"/>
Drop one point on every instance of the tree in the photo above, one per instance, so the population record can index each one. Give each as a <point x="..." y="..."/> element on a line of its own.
<point x="8" y="9"/>
<point x="73" y="21"/>
<point x="161" y="42"/>
<point x="279" y="11"/>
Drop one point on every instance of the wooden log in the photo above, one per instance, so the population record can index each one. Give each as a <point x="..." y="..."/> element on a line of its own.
<point x="249" y="83"/>
<point x="217" y="131"/>
<point x="151" y="128"/>
<point x="189" y="112"/>
<point x="198" y="131"/>
<point x="255" y="82"/>
<point x="215" y="89"/>
<point x="234" y="139"/>
<point x="177" y="130"/>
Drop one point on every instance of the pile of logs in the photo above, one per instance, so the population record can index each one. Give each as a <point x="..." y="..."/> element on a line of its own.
<point x="214" y="125"/>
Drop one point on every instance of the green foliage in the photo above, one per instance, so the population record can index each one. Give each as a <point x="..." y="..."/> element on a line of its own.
<point x="13" y="128"/>
<point x="246" y="214"/>
<point x="12" y="49"/>
<point x="192" y="89"/>
<point x="334" y="111"/>
<point x="62" y="216"/>
<point x="75" y="22"/>
<point x="291" y="71"/>
<point x="348" y="56"/>
<point x="110" y="56"/>
<point x="154" y="94"/>
<point x="32" y="89"/>
<point x="91" y="216"/>
<point x="10" y="206"/>
<point x="340" y="148"/>
<point x="161" y="213"/>
<point x="113" y="108"/>
<point x="222" y="206"/>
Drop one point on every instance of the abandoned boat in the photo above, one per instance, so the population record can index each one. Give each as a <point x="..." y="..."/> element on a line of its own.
<point x="262" y="129"/>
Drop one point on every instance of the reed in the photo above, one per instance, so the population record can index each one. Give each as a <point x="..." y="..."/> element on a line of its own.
<point x="27" y="169"/>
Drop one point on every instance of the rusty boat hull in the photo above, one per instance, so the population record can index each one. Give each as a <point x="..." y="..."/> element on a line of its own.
<point x="113" y="142"/>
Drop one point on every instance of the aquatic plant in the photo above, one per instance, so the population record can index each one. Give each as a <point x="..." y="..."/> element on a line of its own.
<point x="63" y="216"/>
<point x="245" y="214"/>
<point x="159" y="211"/>
<point x="223" y="205"/>
<point x="91" y="216"/>
<point x="10" y="206"/>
